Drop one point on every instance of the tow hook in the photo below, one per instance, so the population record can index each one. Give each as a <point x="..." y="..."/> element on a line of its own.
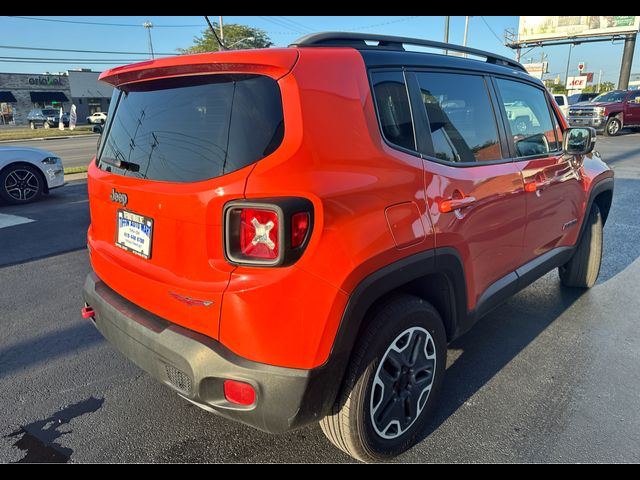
<point x="87" y="312"/>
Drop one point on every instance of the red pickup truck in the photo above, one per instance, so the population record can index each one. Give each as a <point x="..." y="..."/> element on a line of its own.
<point x="609" y="112"/>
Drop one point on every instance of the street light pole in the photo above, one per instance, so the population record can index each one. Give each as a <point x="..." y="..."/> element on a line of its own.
<point x="446" y="32"/>
<point x="221" y="31"/>
<point x="466" y="30"/>
<point x="148" y="25"/>
<point x="566" y="75"/>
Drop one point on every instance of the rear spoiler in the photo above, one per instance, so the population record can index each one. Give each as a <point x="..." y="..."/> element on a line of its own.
<point x="274" y="63"/>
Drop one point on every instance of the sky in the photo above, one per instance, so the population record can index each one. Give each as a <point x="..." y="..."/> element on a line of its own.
<point x="172" y="32"/>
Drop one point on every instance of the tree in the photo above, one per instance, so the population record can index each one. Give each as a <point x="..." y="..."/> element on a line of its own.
<point x="235" y="37"/>
<point x="604" y="87"/>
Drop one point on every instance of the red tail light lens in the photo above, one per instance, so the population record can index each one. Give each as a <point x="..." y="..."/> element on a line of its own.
<point x="259" y="233"/>
<point x="299" y="228"/>
<point x="269" y="232"/>
<point x="239" y="392"/>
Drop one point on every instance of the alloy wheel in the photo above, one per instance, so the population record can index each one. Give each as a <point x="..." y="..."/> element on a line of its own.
<point x="21" y="184"/>
<point x="402" y="383"/>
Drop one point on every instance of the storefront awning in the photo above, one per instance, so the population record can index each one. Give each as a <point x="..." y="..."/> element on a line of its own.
<point x="7" y="97"/>
<point x="48" y="97"/>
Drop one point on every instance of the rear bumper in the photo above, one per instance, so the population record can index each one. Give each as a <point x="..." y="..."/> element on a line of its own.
<point x="195" y="366"/>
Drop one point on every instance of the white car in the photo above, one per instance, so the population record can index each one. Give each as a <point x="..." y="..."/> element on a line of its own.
<point x="26" y="173"/>
<point x="97" y="118"/>
<point x="563" y="103"/>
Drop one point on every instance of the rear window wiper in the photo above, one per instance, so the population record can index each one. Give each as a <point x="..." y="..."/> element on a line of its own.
<point x="123" y="164"/>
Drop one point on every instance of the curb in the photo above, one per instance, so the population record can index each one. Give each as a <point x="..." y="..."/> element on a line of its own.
<point x="75" y="176"/>
<point x="49" y="138"/>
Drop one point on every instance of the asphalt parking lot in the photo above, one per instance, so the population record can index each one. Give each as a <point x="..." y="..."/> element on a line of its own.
<point x="550" y="376"/>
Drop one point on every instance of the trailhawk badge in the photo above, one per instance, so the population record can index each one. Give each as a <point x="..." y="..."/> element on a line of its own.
<point x="118" y="197"/>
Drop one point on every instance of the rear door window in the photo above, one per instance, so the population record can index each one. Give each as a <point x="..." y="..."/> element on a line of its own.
<point x="461" y="118"/>
<point x="392" y="104"/>
<point x="192" y="128"/>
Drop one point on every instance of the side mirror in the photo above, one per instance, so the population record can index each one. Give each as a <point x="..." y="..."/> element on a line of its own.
<point x="579" y="140"/>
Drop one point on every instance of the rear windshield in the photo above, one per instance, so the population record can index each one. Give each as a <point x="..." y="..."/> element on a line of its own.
<point x="192" y="128"/>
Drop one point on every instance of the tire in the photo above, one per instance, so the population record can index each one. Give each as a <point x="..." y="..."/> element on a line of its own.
<point x="583" y="268"/>
<point x="375" y="372"/>
<point x="613" y="127"/>
<point x="21" y="184"/>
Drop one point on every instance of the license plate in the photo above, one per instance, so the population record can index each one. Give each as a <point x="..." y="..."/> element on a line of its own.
<point x="134" y="233"/>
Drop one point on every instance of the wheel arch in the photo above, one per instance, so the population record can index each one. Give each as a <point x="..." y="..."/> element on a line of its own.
<point x="45" y="184"/>
<point x="601" y="194"/>
<point x="437" y="276"/>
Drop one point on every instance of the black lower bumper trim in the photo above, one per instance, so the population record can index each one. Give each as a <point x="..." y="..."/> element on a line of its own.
<point x="196" y="366"/>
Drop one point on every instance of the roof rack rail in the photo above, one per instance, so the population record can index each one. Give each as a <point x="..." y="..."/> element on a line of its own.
<point x="389" y="42"/>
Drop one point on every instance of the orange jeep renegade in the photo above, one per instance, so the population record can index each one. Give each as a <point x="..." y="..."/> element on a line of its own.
<point x="294" y="235"/>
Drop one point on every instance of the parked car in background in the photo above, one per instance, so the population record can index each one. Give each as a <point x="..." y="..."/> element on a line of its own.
<point x="97" y="118"/>
<point x="563" y="103"/>
<point x="47" y="118"/>
<point x="609" y="112"/>
<point x="582" y="97"/>
<point x="26" y="173"/>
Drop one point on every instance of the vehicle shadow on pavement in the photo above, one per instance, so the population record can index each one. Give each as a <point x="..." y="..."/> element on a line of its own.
<point x="47" y="348"/>
<point x="615" y="158"/>
<point x="505" y="332"/>
<point x="494" y="342"/>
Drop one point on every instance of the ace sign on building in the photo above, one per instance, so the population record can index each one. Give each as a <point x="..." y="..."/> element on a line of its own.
<point x="576" y="83"/>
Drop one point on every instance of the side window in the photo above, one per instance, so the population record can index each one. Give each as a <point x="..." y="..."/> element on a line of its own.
<point x="461" y="118"/>
<point x="634" y="97"/>
<point x="559" y="100"/>
<point x="390" y="93"/>
<point x="529" y="118"/>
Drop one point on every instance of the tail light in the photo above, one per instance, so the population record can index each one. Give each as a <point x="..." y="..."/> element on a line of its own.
<point x="271" y="232"/>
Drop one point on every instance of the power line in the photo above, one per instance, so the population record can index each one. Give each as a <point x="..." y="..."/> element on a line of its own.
<point x="491" y="30"/>
<point x="404" y="19"/>
<point x="88" y="60"/>
<point x="295" y="23"/>
<point x="93" y="62"/>
<point x="16" y="47"/>
<point x="102" y="24"/>
<point x="279" y="23"/>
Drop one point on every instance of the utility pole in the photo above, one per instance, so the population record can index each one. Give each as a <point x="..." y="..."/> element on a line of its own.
<point x="466" y="30"/>
<point x="446" y="32"/>
<point x="566" y="75"/>
<point x="221" y="31"/>
<point x="148" y="25"/>
<point x="627" y="60"/>
<point x="542" y="56"/>
<point x="599" y="78"/>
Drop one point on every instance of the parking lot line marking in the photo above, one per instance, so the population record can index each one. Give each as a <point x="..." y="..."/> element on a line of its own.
<point x="7" y="220"/>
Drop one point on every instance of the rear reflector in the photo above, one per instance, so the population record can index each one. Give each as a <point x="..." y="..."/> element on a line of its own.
<point x="299" y="228"/>
<point x="239" y="393"/>
<point x="87" y="312"/>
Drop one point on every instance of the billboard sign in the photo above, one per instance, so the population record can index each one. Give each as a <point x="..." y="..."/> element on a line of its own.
<point x="576" y="83"/>
<point x="537" y="69"/>
<point x="532" y="29"/>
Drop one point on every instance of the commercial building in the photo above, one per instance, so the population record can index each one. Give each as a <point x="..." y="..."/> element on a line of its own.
<point x="22" y="92"/>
